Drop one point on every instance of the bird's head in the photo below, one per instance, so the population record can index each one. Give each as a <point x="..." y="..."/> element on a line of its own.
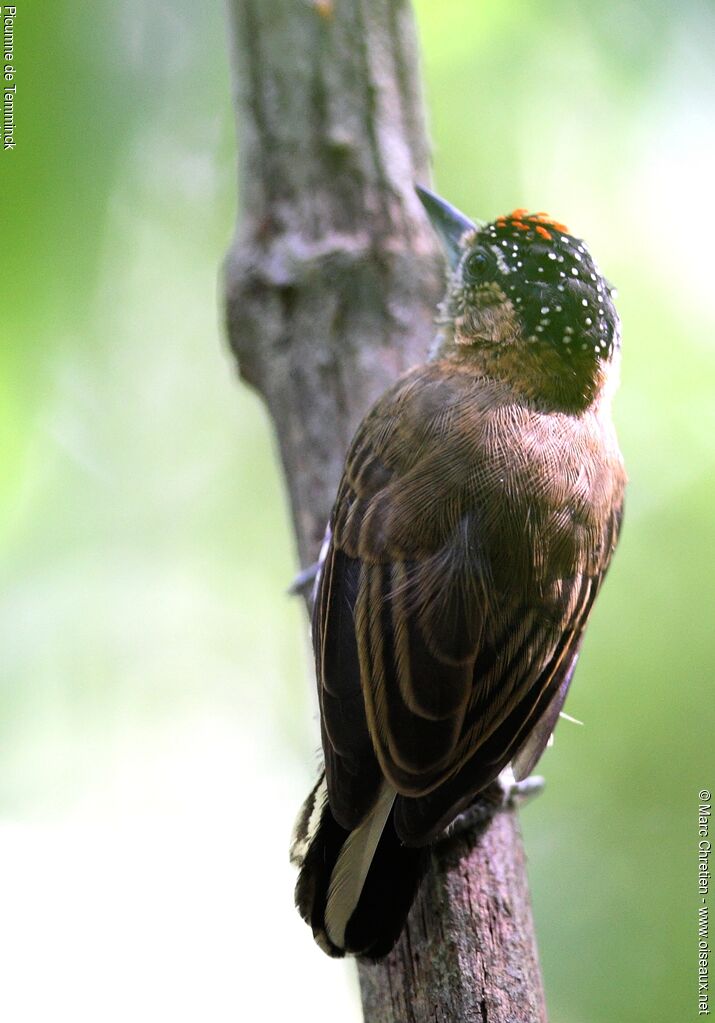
<point x="526" y="303"/>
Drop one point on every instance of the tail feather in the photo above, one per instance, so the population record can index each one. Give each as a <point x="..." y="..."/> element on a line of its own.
<point x="354" y="887"/>
<point x="348" y="876"/>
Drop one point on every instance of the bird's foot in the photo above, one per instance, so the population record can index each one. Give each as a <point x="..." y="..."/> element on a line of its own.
<point x="504" y="793"/>
<point x="519" y="793"/>
<point x="304" y="579"/>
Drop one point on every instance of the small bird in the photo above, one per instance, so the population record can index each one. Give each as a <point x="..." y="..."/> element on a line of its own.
<point x="477" y="514"/>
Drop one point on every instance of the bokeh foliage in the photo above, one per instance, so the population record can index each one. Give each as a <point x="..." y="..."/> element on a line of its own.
<point x="156" y="728"/>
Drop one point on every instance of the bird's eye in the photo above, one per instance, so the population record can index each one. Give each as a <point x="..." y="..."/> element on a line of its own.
<point x="475" y="265"/>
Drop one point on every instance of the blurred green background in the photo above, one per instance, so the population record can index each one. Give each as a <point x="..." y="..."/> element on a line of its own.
<point x="156" y="718"/>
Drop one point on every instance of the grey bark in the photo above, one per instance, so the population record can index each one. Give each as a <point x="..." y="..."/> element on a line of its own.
<point x="331" y="286"/>
<point x="468" y="951"/>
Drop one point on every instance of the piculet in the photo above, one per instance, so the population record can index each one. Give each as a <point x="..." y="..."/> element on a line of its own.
<point x="478" y="511"/>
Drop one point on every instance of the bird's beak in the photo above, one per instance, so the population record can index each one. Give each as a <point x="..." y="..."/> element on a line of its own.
<point x="447" y="221"/>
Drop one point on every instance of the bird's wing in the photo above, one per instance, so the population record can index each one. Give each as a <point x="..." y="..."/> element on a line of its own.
<point x="438" y="643"/>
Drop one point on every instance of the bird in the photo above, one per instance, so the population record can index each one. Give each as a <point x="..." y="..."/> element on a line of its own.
<point x="478" y="511"/>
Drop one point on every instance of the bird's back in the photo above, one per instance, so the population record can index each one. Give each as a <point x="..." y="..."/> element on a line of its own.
<point x="470" y="535"/>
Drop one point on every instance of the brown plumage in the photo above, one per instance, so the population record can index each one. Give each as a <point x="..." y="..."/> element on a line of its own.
<point x="477" y="514"/>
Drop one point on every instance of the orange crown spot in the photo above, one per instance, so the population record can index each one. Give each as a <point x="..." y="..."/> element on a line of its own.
<point x="544" y="218"/>
<point x="539" y="222"/>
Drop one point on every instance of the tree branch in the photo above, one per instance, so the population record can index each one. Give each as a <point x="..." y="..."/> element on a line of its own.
<point x="468" y="951"/>
<point x="331" y="286"/>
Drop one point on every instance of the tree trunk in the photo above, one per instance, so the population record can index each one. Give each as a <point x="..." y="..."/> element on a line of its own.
<point x="331" y="288"/>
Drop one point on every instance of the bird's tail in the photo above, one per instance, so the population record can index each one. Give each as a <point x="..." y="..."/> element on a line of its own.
<point x="354" y="887"/>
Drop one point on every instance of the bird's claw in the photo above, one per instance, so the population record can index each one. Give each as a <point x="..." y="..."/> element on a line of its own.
<point x="504" y="793"/>
<point x="303" y="580"/>
<point x="518" y="793"/>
